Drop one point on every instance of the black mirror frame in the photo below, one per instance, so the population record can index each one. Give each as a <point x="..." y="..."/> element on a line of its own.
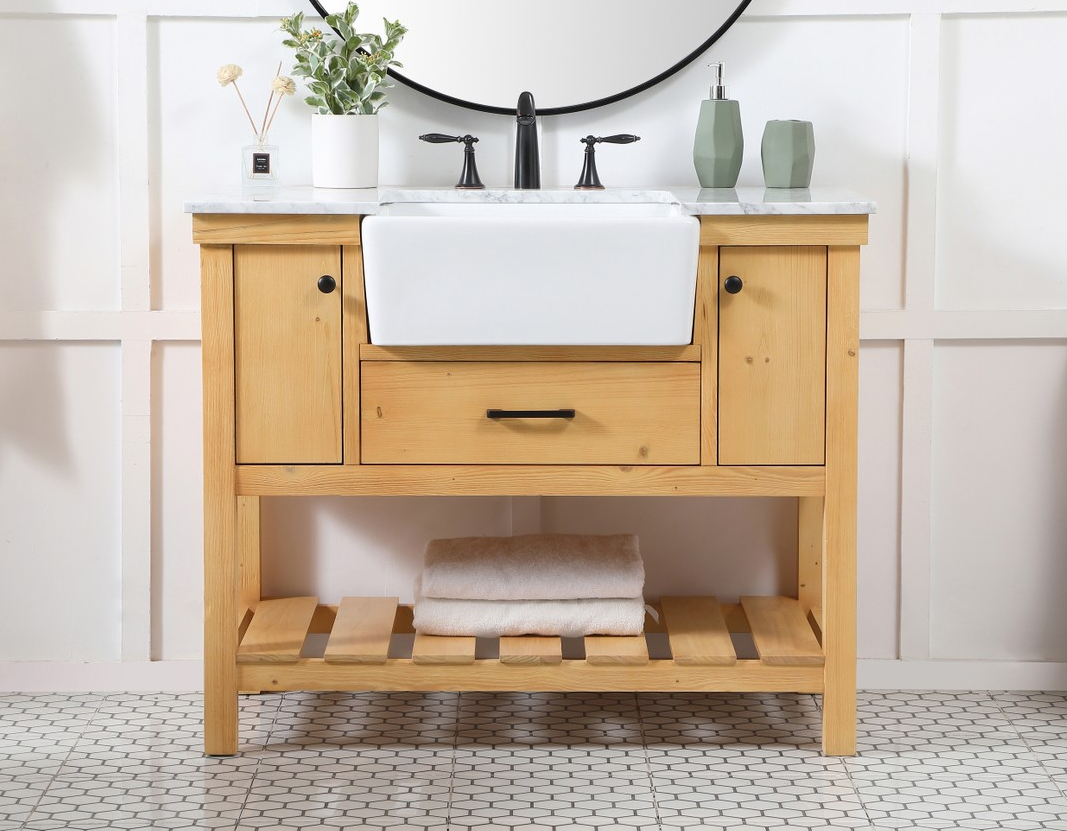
<point x="573" y="108"/>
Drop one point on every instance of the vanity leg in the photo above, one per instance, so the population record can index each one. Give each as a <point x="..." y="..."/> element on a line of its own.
<point x="248" y="542"/>
<point x="220" y="503"/>
<point x="248" y="563"/>
<point x="839" y="540"/>
<point x="809" y="557"/>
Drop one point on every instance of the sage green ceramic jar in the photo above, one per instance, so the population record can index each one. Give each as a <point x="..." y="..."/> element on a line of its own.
<point x="788" y="152"/>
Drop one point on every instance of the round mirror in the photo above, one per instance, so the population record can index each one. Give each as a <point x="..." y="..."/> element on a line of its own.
<point x="572" y="56"/>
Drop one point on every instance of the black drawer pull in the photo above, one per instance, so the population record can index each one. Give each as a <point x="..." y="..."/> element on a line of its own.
<point x="529" y="413"/>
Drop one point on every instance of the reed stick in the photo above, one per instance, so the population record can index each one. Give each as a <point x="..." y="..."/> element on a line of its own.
<point x="251" y="120"/>
<point x="266" y="126"/>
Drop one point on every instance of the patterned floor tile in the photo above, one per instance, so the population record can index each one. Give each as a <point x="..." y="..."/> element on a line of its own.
<point x="146" y="734"/>
<point x="38" y="732"/>
<point x="963" y="774"/>
<point x="352" y="787"/>
<point x="544" y="787"/>
<point x="551" y="719"/>
<point x="162" y="801"/>
<point x="729" y="787"/>
<point x="19" y="796"/>
<point x="932" y="724"/>
<point x="307" y="720"/>
<point x="534" y="761"/>
<point x="728" y="719"/>
<point x="1041" y="720"/>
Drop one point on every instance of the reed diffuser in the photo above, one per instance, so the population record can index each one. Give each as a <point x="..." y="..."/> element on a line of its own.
<point x="259" y="160"/>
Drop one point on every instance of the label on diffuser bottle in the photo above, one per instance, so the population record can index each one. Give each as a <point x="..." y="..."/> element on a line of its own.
<point x="261" y="163"/>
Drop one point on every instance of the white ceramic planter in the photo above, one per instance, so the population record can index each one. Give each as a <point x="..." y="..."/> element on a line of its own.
<point x="344" y="151"/>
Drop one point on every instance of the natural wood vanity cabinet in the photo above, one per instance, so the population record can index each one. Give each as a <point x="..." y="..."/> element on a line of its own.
<point x="297" y="401"/>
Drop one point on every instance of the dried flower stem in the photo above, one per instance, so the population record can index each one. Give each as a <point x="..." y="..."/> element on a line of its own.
<point x="243" y="104"/>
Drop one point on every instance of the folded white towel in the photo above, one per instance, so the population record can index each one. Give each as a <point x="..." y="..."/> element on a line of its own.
<point x="534" y="567"/>
<point x="495" y="618"/>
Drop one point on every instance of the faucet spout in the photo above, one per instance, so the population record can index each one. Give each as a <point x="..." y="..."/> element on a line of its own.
<point x="527" y="155"/>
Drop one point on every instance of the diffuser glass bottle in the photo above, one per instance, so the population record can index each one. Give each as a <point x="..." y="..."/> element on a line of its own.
<point x="259" y="167"/>
<point x="719" y="144"/>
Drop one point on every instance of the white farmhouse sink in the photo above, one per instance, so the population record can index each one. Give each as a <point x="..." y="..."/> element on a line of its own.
<point x="473" y="272"/>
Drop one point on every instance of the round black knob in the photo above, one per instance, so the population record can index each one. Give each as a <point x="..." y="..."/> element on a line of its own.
<point x="327" y="284"/>
<point x="733" y="284"/>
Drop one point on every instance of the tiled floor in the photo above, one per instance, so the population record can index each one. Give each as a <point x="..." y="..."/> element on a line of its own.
<point x="534" y="761"/>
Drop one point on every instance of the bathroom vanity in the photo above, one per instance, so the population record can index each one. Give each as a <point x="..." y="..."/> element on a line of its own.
<point x="299" y="400"/>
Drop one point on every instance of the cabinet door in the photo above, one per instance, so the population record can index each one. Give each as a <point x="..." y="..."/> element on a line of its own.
<point x="772" y="355"/>
<point x="287" y="350"/>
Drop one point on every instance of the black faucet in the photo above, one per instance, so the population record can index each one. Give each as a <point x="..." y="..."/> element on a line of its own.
<point x="527" y="157"/>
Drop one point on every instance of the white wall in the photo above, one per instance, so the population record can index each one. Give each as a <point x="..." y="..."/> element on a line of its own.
<point x="948" y="113"/>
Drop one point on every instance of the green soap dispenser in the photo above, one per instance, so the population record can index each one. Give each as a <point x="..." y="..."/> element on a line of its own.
<point x="719" y="143"/>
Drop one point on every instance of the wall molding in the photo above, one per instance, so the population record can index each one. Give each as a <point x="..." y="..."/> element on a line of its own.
<point x="961" y="675"/>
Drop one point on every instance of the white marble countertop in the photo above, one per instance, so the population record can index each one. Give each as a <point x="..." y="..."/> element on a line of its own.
<point x="694" y="201"/>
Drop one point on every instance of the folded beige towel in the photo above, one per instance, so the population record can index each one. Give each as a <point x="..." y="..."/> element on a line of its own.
<point x="496" y="618"/>
<point x="534" y="567"/>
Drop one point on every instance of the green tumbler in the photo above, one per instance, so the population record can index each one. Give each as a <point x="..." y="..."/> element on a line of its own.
<point x="788" y="152"/>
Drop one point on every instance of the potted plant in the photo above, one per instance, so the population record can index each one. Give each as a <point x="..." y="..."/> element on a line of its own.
<point x="347" y="79"/>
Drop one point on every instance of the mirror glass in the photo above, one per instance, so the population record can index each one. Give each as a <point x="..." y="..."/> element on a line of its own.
<point x="571" y="55"/>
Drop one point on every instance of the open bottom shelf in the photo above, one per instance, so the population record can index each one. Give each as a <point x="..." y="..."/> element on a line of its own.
<point x="361" y="651"/>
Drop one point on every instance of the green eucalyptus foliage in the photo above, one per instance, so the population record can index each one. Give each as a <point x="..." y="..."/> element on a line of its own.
<point x="348" y="75"/>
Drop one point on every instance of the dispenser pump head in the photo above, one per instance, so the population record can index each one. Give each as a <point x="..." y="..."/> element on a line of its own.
<point x="718" y="91"/>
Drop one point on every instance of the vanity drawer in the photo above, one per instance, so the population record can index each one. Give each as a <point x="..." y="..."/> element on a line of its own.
<point x="431" y="412"/>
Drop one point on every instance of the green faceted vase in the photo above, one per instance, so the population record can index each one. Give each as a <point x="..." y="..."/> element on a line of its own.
<point x="788" y="152"/>
<point x="719" y="144"/>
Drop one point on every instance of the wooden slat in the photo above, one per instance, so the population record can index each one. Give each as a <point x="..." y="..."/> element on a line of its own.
<point x="528" y="480"/>
<point x="370" y="352"/>
<point x="781" y="632"/>
<point x="840" y="229"/>
<point x="276" y="229"/>
<point x="736" y="621"/>
<point x="601" y="650"/>
<point x="437" y="649"/>
<point x="570" y="675"/>
<point x="531" y="650"/>
<point x="697" y="632"/>
<point x="361" y="630"/>
<point x="277" y="631"/>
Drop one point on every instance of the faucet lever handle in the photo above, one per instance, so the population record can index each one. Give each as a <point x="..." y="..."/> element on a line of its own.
<point x="441" y="138"/>
<point x="589" y="179"/>
<point x="468" y="179"/>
